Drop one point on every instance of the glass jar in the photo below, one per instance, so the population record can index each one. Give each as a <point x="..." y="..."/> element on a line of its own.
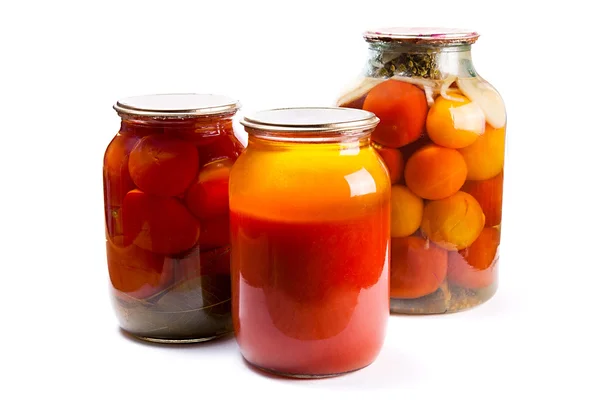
<point x="309" y="211"/>
<point x="166" y="176"/>
<point x="441" y="136"/>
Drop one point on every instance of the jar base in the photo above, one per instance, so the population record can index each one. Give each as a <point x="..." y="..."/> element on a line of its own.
<point x="189" y="340"/>
<point x="301" y="376"/>
<point x="170" y="321"/>
<point x="447" y="299"/>
<point x="177" y="341"/>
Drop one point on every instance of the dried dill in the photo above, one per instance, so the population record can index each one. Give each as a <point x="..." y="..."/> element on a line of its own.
<point x="422" y="64"/>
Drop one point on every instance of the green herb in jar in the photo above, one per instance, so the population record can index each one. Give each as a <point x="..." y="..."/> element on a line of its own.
<point x="422" y="65"/>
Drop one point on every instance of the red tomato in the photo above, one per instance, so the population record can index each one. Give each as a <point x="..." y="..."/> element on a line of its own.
<point x="163" y="165"/>
<point x="209" y="194"/>
<point x="159" y="224"/>
<point x="402" y="109"/>
<point x="418" y="267"/>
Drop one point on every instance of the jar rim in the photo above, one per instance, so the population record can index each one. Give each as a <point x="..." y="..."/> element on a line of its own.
<point x="177" y="105"/>
<point x="421" y="35"/>
<point x="310" y="124"/>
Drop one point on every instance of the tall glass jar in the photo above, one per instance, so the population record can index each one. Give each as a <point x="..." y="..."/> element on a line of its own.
<point x="441" y="136"/>
<point x="310" y="214"/>
<point x="166" y="176"/>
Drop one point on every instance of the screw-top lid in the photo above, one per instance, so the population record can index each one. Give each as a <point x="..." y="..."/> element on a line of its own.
<point x="424" y="35"/>
<point x="311" y="119"/>
<point x="177" y="105"/>
<point x="311" y="124"/>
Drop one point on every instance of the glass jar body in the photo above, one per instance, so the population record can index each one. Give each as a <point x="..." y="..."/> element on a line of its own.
<point x="167" y="226"/>
<point x="441" y="136"/>
<point x="310" y="254"/>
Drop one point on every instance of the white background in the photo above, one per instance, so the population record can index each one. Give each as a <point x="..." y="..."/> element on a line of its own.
<point x="63" y="65"/>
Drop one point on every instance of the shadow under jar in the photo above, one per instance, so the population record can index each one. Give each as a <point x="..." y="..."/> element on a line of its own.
<point x="441" y="137"/>
<point x="310" y="210"/>
<point x="166" y="177"/>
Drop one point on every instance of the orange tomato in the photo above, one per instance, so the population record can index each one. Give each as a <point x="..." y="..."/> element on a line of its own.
<point x="454" y="222"/>
<point x="485" y="157"/>
<point x="402" y="109"/>
<point x="407" y="211"/>
<point x="451" y="124"/>
<point x="434" y="172"/>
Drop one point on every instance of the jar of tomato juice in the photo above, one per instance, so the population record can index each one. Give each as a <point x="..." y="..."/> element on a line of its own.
<point x="166" y="176"/>
<point x="441" y="136"/>
<point x="310" y="219"/>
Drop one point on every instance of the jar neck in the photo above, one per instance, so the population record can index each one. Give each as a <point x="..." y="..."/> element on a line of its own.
<point x="419" y="61"/>
<point x="345" y="146"/>
<point x="200" y="126"/>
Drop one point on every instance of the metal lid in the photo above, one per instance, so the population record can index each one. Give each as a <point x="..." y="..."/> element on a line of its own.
<point x="311" y="119"/>
<point x="424" y="35"/>
<point x="177" y="105"/>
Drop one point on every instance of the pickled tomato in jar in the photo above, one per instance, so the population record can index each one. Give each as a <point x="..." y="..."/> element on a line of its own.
<point x="441" y="137"/>
<point x="166" y="176"/>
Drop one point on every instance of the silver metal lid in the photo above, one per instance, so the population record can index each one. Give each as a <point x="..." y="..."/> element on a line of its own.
<point x="177" y="105"/>
<point x="311" y="119"/>
<point x="425" y="35"/>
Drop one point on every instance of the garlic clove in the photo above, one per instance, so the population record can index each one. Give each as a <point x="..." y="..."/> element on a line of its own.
<point x="468" y="117"/>
<point x="482" y="93"/>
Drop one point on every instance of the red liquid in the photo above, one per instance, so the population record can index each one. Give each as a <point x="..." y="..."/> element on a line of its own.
<point x="310" y="298"/>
